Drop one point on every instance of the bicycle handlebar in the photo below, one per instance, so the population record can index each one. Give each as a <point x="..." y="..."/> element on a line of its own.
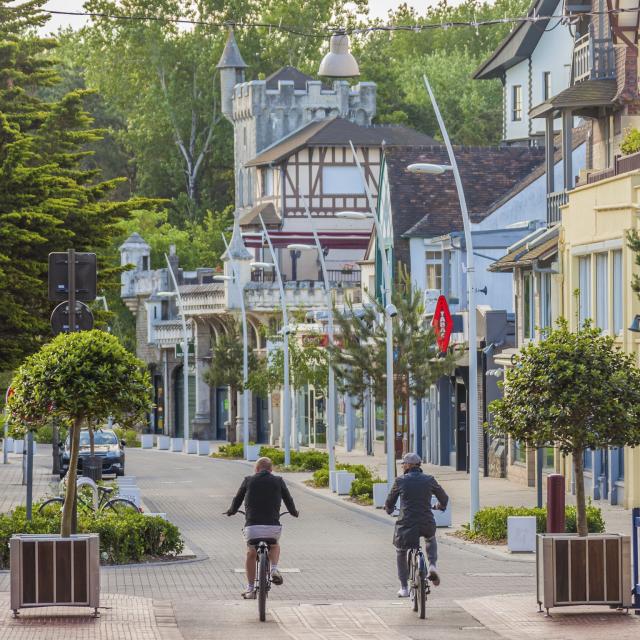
<point x="284" y="513"/>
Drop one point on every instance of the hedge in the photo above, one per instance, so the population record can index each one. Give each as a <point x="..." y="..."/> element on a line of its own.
<point x="362" y="473"/>
<point x="124" y="538"/>
<point x="490" y="523"/>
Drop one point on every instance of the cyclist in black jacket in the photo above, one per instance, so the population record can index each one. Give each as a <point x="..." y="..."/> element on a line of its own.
<point x="262" y="493"/>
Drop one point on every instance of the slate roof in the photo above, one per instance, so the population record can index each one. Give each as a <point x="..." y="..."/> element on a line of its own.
<point x="427" y="205"/>
<point x="288" y="74"/>
<point x="519" y="44"/>
<point x="231" y="57"/>
<point x="338" y="132"/>
<point x="269" y="215"/>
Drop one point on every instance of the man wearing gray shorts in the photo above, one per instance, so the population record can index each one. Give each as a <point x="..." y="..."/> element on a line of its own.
<point x="262" y="493"/>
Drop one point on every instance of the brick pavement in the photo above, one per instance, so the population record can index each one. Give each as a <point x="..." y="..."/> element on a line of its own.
<point x="516" y="617"/>
<point x="13" y="492"/>
<point x="121" y="617"/>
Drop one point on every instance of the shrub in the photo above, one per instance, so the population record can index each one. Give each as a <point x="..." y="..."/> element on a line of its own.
<point x="362" y="473"/>
<point x="631" y="142"/>
<point x="124" y="538"/>
<point x="321" y="477"/>
<point x="130" y="436"/>
<point x="363" y="489"/>
<point x="231" y="451"/>
<point x="491" y="522"/>
<point x="300" y="460"/>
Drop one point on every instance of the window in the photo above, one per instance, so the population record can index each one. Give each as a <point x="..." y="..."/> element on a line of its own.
<point x="548" y="458"/>
<point x="617" y="290"/>
<point x="602" y="291"/>
<point x="519" y="453"/>
<point x="527" y="306"/>
<point x="267" y="181"/>
<point x="434" y="270"/>
<point x="341" y="180"/>
<point x="546" y="85"/>
<point x="545" y="300"/>
<point x="584" y="285"/>
<point x="516" y="103"/>
<point x="145" y="263"/>
<point x="164" y="310"/>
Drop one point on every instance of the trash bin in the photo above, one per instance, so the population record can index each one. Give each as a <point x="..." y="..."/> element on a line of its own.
<point x="92" y="468"/>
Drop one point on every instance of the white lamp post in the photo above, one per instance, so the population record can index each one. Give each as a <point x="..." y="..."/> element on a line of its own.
<point x="185" y="351"/>
<point x="390" y="313"/>
<point x="235" y="278"/>
<point x="435" y="169"/>
<point x="286" y="431"/>
<point x="331" y="391"/>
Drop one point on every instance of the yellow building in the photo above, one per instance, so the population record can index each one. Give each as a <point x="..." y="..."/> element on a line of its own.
<point x="597" y="268"/>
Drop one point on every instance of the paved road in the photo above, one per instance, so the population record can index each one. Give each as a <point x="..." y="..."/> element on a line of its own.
<point x="339" y="565"/>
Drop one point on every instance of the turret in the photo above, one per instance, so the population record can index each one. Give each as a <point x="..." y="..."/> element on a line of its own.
<point x="137" y="252"/>
<point x="232" y="68"/>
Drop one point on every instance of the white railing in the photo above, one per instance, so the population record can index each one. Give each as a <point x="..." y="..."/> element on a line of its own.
<point x="166" y="333"/>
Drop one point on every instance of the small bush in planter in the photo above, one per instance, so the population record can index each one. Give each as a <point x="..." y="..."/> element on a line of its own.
<point x="229" y="451"/>
<point x="130" y="436"/>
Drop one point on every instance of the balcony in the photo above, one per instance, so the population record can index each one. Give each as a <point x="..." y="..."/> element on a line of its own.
<point x="593" y="59"/>
<point x="307" y="294"/>
<point x="168" y="333"/>
<point x="621" y="164"/>
<point x="554" y="202"/>
<point x="336" y="276"/>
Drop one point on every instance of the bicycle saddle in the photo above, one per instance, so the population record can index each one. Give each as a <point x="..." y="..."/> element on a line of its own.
<point x="256" y="541"/>
<point x="105" y="489"/>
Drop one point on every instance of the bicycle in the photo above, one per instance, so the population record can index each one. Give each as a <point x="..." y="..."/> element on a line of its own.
<point x="262" y="584"/>
<point x="419" y="586"/>
<point x="53" y="506"/>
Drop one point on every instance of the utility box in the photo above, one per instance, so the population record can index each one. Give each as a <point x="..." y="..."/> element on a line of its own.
<point x="48" y="570"/>
<point x="521" y="534"/>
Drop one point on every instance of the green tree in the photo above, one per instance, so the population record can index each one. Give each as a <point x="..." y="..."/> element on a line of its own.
<point x="633" y="240"/>
<point x="575" y="390"/>
<point x="80" y="378"/>
<point x="359" y="356"/>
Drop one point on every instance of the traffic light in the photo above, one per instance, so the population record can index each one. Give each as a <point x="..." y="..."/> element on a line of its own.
<point x="86" y="269"/>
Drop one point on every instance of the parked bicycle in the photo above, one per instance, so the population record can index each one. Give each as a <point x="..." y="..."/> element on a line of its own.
<point x="263" y="570"/>
<point x="419" y="586"/>
<point x="53" y="506"/>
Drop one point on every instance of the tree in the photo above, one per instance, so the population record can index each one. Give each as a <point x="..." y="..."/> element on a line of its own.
<point x="633" y="240"/>
<point x="575" y="390"/>
<point x="81" y="378"/>
<point x="359" y="356"/>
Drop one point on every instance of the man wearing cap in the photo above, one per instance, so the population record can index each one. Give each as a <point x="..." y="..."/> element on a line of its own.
<point x="415" y="488"/>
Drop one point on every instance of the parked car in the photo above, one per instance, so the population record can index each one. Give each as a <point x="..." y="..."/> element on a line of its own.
<point x="106" y="446"/>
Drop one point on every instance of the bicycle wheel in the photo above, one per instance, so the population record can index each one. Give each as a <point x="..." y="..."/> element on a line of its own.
<point x="413" y="593"/>
<point x="121" y="506"/>
<point x="422" y="589"/>
<point x="51" y="507"/>
<point x="263" y="582"/>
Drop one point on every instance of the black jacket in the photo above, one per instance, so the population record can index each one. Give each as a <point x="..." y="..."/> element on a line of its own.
<point x="415" y="489"/>
<point x="263" y="494"/>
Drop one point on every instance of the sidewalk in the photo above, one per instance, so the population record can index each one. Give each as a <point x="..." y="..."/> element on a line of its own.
<point x="13" y="492"/>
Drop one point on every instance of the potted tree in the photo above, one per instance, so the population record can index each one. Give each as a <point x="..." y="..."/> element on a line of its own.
<point x="578" y="391"/>
<point x="78" y="378"/>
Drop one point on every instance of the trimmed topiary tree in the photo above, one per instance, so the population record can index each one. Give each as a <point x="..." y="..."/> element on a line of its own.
<point x="575" y="390"/>
<point x="82" y="378"/>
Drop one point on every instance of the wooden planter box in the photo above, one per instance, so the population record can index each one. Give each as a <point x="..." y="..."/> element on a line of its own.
<point x="48" y="570"/>
<point x="572" y="570"/>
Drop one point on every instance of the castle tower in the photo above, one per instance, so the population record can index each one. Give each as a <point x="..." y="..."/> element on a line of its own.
<point x="232" y="68"/>
<point x="134" y="250"/>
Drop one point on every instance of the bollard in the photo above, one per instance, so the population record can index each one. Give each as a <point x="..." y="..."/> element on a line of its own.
<point x="555" y="504"/>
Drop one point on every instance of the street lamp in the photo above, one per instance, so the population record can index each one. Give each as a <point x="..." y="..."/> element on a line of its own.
<point x="185" y="351"/>
<point x="435" y="169"/>
<point x="331" y="391"/>
<point x="285" y="339"/>
<point x="235" y="278"/>
<point x="390" y="313"/>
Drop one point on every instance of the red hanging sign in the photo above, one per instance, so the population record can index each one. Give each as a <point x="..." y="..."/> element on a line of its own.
<point x="442" y="323"/>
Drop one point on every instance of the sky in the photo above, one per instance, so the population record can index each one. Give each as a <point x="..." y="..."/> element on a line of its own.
<point x="379" y="9"/>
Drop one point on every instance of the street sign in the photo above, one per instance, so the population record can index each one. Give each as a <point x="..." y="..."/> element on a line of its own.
<point x="60" y="318"/>
<point x="85" y="274"/>
<point x="192" y="349"/>
<point x="442" y="323"/>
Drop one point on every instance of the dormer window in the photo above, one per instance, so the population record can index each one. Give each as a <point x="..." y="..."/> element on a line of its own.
<point x="516" y="103"/>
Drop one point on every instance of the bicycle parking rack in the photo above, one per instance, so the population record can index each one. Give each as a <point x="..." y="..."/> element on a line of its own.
<point x="635" y="542"/>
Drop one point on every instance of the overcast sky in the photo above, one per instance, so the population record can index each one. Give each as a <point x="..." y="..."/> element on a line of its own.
<point x="378" y="8"/>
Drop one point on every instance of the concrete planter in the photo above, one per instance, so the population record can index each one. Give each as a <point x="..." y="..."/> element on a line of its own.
<point x="146" y="440"/>
<point x="18" y="446"/>
<point x="253" y="452"/>
<point x="443" y="518"/>
<point x="130" y="492"/>
<point x="521" y="534"/>
<point x="191" y="446"/>
<point x="380" y="493"/>
<point x="573" y="570"/>
<point x="176" y="445"/>
<point x="344" y="480"/>
<point x="203" y="448"/>
<point x="126" y="481"/>
<point x="332" y="480"/>
<point x="8" y="444"/>
<point x="163" y="442"/>
<point x="48" y="570"/>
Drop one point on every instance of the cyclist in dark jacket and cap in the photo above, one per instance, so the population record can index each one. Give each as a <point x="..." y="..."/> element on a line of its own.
<point x="415" y="489"/>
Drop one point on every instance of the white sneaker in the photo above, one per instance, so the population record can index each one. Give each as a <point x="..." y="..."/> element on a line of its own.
<point x="403" y="592"/>
<point x="433" y="575"/>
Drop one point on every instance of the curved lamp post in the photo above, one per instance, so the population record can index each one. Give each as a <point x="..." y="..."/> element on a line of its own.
<point x="235" y="279"/>
<point x="285" y="338"/>
<point x="436" y="169"/>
